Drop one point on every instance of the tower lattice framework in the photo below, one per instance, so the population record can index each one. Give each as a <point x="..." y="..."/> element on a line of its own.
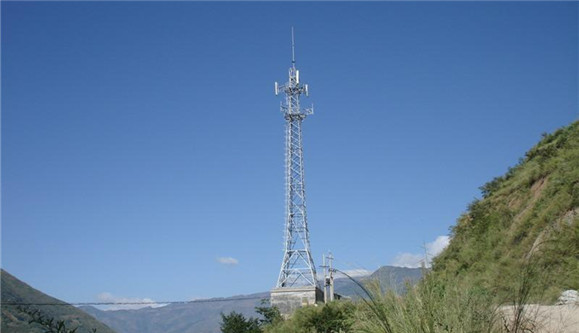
<point x="297" y="268"/>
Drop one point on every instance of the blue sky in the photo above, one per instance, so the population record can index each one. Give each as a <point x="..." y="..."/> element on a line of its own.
<point x="142" y="141"/>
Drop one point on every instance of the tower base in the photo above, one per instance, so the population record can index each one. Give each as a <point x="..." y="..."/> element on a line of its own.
<point x="287" y="300"/>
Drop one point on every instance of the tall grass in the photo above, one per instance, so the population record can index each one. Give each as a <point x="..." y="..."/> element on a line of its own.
<point x="430" y="307"/>
<point x="531" y="280"/>
<point x="452" y="304"/>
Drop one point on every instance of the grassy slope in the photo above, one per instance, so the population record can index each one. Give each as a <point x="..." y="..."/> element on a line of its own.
<point x="14" y="321"/>
<point x="527" y="219"/>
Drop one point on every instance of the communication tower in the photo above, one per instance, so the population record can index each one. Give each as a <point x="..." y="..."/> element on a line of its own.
<point x="298" y="272"/>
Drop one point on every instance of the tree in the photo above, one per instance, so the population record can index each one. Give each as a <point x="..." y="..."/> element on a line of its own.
<point x="271" y="315"/>
<point x="49" y="325"/>
<point x="332" y="317"/>
<point x="237" y="323"/>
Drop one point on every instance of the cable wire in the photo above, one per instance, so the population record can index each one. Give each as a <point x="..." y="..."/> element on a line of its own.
<point x="210" y="300"/>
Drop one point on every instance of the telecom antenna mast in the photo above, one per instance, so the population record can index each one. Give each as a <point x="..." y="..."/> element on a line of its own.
<point x="297" y="268"/>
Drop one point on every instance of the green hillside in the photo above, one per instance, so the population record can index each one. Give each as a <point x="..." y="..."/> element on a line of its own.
<point x="526" y="226"/>
<point x="15" y="321"/>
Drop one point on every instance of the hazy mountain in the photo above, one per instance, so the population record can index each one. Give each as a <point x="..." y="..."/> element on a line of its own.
<point x="15" y="321"/>
<point x="198" y="317"/>
<point x="204" y="317"/>
<point x="389" y="277"/>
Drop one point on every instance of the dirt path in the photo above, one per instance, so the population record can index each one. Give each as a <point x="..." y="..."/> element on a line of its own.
<point x="549" y="318"/>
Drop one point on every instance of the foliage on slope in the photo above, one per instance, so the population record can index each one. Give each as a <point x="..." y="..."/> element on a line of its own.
<point x="526" y="223"/>
<point x="16" y="321"/>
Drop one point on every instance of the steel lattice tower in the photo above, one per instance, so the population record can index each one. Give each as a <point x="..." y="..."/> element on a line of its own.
<point x="297" y="268"/>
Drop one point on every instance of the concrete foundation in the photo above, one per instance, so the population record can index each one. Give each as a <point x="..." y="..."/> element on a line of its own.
<point x="287" y="300"/>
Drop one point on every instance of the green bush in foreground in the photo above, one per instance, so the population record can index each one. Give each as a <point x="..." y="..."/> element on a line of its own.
<point x="237" y="323"/>
<point x="332" y="317"/>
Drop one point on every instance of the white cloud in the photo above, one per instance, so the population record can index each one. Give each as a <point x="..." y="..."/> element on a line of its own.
<point x="413" y="260"/>
<point x="227" y="261"/>
<point x="439" y="244"/>
<point x="107" y="297"/>
<point x="409" y="260"/>
<point x="358" y="272"/>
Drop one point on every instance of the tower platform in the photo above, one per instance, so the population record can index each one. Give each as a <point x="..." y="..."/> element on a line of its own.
<point x="287" y="300"/>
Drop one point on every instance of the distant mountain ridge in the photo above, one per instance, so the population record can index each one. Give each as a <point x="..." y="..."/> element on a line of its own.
<point x="204" y="317"/>
<point x="390" y="277"/>
<point x="189" y="317"/>
<point x="15" y="321"/>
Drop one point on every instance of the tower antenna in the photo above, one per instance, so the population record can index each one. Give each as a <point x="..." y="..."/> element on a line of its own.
<point x="293" y="50"/>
